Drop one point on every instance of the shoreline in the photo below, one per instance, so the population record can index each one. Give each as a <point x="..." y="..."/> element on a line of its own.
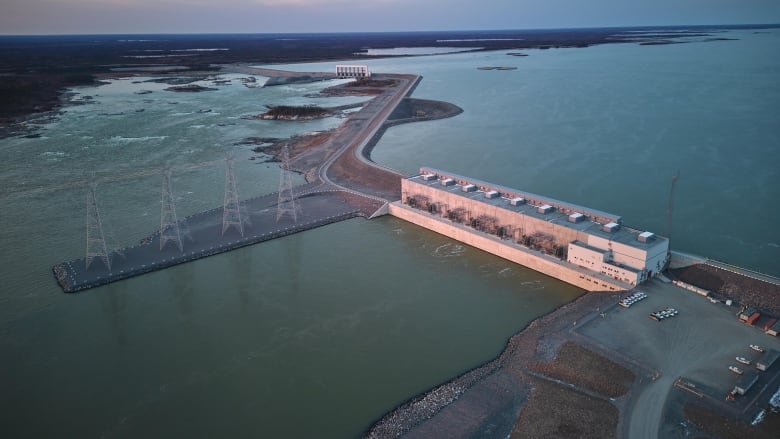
<point x="34" y="90"/>
<point x="517" y="367"/>
<point x="513" y="359"/>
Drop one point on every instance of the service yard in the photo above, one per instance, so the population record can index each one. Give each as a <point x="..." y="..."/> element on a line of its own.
<point x="697" y="345"/>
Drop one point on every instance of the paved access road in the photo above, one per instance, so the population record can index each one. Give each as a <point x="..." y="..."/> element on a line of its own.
<point x="352" y="170"/>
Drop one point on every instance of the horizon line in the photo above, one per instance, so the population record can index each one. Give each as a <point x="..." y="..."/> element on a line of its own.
<point x="649" y="26"/>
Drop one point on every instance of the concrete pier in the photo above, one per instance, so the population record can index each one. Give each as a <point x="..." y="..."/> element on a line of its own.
<point x="320" y="207"/>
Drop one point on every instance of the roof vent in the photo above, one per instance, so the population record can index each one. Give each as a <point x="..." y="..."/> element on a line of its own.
<point x="576" y="217"/>
<point x="645" y="237"/>
<point x="447" y="182"/>
<point x="610" y="227"/>
<point x="517" y="201"/>
<point x="429" y="177"/>
<point x="468" y="188"/>
<point x="544" y="209"/>
<point x="492" y="194"/>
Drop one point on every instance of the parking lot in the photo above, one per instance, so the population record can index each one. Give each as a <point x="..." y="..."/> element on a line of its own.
<point x="698" y="344"/>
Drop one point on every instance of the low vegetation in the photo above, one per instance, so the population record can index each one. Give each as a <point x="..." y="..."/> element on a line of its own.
<point x="586" y="369"/>
<point x="373" y="83"/>
<point x="724" y="427"/>
<point x="554" y="411"/>
<point x="292" y="111"/>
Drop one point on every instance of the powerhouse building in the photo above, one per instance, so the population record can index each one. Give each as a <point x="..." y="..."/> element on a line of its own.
<point x="352" y="71"/>
<point x="586" y="238"/>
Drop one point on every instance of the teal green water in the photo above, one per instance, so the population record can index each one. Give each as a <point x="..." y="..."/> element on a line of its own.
<point x="319" y="334"/>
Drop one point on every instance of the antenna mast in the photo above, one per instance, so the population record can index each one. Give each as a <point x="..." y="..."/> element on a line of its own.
<point x="670" y="206"/>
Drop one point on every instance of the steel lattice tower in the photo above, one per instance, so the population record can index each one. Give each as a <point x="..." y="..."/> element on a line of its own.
<point x="169" y="223"/>
<point x="286" y="204"/>
<point x="96" y="241"/>
<point x="231" y="212"/>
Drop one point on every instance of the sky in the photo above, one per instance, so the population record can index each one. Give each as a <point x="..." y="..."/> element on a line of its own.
<point x="274" y="16"/>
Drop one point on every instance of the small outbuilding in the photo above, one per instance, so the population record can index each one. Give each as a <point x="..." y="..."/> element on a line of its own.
<point x="767" y="360"/>
<point x="746" y="381"/>
<point x="774" y="329"/>
<point x="745" y="315"/>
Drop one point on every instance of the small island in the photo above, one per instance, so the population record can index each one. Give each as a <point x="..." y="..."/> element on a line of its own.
<point x="496" y="68"/>
<point x="189" y="88"/>
<point x="294" y="112"/>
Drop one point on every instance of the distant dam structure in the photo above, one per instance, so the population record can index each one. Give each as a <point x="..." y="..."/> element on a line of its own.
<point x="352" y="71"/>
<point x="582" y="246"/>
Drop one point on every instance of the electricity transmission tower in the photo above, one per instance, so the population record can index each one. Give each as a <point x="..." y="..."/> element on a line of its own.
<point x="169" y="223"/>
<point x="286" y="204"/>
<point x="96" y="241"/>
<point x="231" y="211"/>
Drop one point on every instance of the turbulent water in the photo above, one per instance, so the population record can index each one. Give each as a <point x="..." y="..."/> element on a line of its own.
<point x="320" y="333"/>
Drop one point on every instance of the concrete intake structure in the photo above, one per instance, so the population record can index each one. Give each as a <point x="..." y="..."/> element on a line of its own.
<point x="585" y="247"/>
<point x="352" y="71"/>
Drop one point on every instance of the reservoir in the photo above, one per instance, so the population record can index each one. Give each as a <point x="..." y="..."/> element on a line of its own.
<point x="320" y="333"/>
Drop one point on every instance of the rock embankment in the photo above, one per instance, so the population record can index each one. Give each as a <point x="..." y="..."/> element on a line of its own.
<point x="729" y="285"/>
<point x="512" y="367"/>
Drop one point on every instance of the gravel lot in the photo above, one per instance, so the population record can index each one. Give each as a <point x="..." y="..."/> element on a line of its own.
<point x="699" y="344"/>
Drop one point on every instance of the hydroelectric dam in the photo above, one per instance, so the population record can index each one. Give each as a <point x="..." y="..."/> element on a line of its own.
<point x="582" y="246"/>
